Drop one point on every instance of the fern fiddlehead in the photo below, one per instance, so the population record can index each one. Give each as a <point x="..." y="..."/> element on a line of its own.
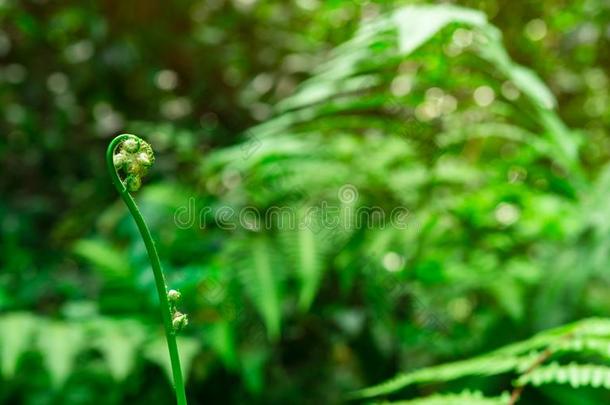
<point x="133" y="157"/>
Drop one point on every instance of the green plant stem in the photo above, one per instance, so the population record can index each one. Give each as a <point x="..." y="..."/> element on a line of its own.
<point x="153" y="256"/>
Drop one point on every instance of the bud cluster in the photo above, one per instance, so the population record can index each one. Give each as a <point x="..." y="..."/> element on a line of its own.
<point x="134" y="158"/>
<point x="179" y="320"/>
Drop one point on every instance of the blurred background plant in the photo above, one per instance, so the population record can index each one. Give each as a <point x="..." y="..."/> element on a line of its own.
<point x="287" y="104"/>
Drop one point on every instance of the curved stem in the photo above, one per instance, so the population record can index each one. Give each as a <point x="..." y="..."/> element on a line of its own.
<point x="153" y="256"/>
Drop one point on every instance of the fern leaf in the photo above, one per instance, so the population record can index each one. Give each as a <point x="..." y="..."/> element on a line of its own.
<point x="262" y="282"/>
<point x="310" y="267"/>
<point x="483" y="366"/>
<point x="517" y="357"/>
<point x="119" y="342"/>
<point x="103" y="257"/>
<point x="304" y="255"/>
<point x="576" y="375"/>
<point x="16" y="333"/>
<point x="60" y="343"/>
<point x="221" y="337"/>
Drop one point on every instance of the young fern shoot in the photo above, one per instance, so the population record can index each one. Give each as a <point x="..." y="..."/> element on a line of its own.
<point x="132" y="157"/>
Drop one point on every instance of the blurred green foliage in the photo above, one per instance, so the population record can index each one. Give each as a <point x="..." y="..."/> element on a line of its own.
<point x="257" y="105"/>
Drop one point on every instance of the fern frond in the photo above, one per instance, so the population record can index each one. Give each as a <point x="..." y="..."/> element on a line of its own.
<point x="356" y="78"/>
<point x="305" y="255"/>
<point x="576" y="375"/>
<point x="483" y="366"/>
<point x="257" y="264"/>
<point x="588" y="336"/>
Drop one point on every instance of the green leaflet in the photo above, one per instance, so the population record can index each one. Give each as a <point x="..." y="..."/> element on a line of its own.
<point x="262" y="281"/>
<point x="105" y="258"/>
<point x="576" y="375"/>
<point x="119" y="342"/>
<point x="16" y="335"/>
<point x="221" y="336"/>
<point x="417" y="24"/>
<point x="492" y="49"/>
<point x="321" y="90"/>
<point x="253" y="369"/>
<point x="60" y="343"/>
<point x="309" y="266"/>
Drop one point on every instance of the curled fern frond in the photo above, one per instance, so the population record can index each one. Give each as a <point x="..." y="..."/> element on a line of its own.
<point x="132" y="157"/>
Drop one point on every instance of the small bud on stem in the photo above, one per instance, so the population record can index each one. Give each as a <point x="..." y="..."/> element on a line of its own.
<point x="173" y="296"/>
<point x="179" y="321"/>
